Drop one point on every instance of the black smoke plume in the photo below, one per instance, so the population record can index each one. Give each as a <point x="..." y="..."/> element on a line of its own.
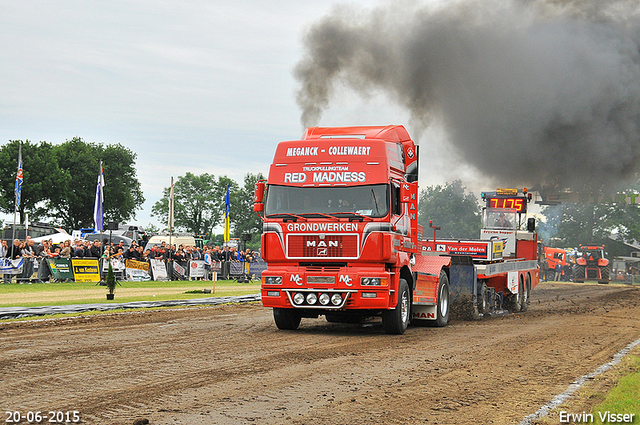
<point x="527" y="91"/>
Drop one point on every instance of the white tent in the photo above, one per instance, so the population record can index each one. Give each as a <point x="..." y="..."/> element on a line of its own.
<point x="57" y="238"/>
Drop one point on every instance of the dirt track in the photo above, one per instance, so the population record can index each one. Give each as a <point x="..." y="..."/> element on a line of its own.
<point x="230" y="365"/>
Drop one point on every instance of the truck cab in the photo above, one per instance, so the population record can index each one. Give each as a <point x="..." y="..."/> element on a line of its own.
<point x="340" y="226"/>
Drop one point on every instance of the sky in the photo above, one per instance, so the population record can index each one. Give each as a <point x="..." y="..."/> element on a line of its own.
<point x="498" y="93"/>
<point x="189" y="86"/>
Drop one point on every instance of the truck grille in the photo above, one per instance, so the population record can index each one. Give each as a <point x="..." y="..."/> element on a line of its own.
<point x="329" y="246"/>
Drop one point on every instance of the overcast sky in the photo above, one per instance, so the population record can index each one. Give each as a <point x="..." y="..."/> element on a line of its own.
<point x="209" y="87"/>
<point x="189" y="86"/>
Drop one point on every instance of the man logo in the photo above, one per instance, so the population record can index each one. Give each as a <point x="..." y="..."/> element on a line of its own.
<point x="346" y="280"/>
<point x="322" y="252"/>
<point x="297" y="279"/>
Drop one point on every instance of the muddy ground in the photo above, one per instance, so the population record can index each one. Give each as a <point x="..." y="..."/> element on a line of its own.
<point x="231" y="365"/>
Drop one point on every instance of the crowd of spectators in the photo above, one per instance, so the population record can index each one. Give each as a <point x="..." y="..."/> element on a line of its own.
<point x="30" y="252"/>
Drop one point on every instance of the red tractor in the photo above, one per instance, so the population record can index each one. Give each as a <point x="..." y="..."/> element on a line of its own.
<point x="591" y="264"/>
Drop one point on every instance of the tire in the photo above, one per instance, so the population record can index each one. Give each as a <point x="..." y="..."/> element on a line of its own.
<point x="578" y="274"/>
<point x="287" y="319"/>
<point x="513" y="302"/>
<point x="483" y="302"/>
<point x="526" y="294"/>
<point x="442" y="312"/>
<point x="604" y="274"/>
<point x="396" y="321"/>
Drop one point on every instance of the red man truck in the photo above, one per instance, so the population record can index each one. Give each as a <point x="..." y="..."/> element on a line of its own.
<point x="341" y="235"/>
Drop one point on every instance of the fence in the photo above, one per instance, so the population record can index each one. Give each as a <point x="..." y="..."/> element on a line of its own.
<point x="95" y="270"/>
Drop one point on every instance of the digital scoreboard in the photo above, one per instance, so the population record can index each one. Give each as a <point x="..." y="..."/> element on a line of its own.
<point x="507" y="199"/>
<point x="518" y="204"/>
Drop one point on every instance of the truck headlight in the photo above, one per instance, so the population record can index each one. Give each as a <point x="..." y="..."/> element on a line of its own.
<point x="373" y="281"/>
<point x="324" y="298"/>
<point x="336" y="299"/>
<point x="298" y="298"/>
<point x="312" y="298"/>
<point x="272" y="280"/>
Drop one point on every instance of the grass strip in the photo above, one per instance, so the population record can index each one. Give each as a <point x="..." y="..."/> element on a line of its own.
<point x="622" y="399"/>
<point x="65" y="293"/>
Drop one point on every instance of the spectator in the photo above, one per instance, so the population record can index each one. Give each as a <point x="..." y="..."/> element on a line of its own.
<point x="249" y="255"/>
<point x="179" y="255"/>
<point x="119" y="253"/>
<point x="65" y="252"/>
<point x="55" y="253"/>
<point x="196" y="254"/>
<point x="29" y="257"/>
<point x="13" y="253"/>
<point x="558" y="270"/>
<point x="132" y="253"/>
<point x="96" y="250"/>
<point x="3" y="249"/>
<point x="78" y="250"/>
<point x="207" y="263"/>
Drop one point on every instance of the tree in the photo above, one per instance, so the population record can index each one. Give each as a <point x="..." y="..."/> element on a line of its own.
<point x="42" y="179"/>
<point x="198" y="202"/>
<point x="595" y="220"/>
<point x="457" y="213"/>
<point x="81" y="162"/>
<point x="60" y="181"/>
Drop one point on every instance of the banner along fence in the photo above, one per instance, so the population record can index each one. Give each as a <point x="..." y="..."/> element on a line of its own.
<point x="94" y="269"/>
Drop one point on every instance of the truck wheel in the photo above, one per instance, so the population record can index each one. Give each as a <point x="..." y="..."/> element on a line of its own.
<point x="483" y="299"/>
<point x="396" y="321"/>
<point x="578" y="274"/>
<point x="442" y="312"/>
<point x="604" y="274"/>
<point x="286" y="319"/>
<point x="513" y="302"/>
<point x="526" y="294"/>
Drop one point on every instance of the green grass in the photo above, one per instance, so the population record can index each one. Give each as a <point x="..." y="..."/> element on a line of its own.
<point x="64" y="293"/>
<point x="624" y="397"/>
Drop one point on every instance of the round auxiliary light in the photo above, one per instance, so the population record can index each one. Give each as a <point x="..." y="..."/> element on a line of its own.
<point x="336" y="299"/>
<point x="298" y="298"/>
<point x="312" y="298"/>
<point x="324" y="298"/>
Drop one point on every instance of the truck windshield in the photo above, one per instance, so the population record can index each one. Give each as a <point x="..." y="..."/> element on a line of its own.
<point x="370" y="200"/>
<point x="498" y="218"/>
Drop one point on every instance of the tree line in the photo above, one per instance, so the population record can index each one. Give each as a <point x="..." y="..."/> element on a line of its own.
<point x="199" y="203"/>
<point x="60" y="186"/>
<point x="458" y="214"/>
<point x="60" y="183"/>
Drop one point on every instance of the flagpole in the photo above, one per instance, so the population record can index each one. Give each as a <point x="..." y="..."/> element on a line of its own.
<point x="98" y="207"/>
<point x="17" y="190"/>
<point x="227" y="219"/>
<point x="171" y="212"/>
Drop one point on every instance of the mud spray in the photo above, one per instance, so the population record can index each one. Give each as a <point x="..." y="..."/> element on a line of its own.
<point x="531" y="91"/>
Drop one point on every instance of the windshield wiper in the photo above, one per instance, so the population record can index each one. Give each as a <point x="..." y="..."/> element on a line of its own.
<point x="353" y="216"/>
<point x="375" y="200"/>
<point x="318" y="215"/>
<point x="286" y="217"/>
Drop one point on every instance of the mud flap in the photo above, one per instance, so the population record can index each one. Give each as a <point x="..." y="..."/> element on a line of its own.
<point x="463" y="285"/>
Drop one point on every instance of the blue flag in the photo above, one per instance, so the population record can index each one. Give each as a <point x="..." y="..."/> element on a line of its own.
<point x="97" y="208"/>
<point x="227" y="222"/>
<point x="19" y="179"/>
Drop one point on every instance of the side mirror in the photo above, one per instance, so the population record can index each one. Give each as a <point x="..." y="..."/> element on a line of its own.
<point x="531" y="225"/>
<point x="258" y="196"/>
<point x="408" y="192"/>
